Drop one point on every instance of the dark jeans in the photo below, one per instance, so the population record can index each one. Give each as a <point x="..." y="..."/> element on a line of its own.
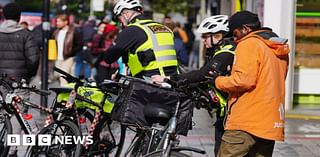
<point x="82" y="68"/>
<point x="218" y="132"/>
<point x="240" y="143"/>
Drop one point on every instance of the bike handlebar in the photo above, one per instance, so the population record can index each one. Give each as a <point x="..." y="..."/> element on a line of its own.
<point x="196" y="93"/>
<point x="11" y="84"/>
<point x="69" y="78"/>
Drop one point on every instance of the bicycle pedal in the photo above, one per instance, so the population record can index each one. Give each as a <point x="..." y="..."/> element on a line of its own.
<point x="102" y="146"/>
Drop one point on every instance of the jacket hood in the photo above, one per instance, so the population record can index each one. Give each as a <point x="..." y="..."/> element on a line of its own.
<point x="10" y="26"/>
<point x="279" y="45"/>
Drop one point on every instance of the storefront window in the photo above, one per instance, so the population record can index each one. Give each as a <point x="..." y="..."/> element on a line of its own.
<point x="308" y="34"/>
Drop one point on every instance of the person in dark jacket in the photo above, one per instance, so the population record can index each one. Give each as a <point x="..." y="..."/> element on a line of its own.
<point x="220" y="54"/>
<point x="19" y="55"/>
<point x="82" y="59"/>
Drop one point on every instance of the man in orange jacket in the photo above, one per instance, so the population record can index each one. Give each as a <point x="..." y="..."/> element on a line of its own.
<point x="256" y="87"/>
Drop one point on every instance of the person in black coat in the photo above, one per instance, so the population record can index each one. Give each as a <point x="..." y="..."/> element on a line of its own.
<point x="19" y="55"/>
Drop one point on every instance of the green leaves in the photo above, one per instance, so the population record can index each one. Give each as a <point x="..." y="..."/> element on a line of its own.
<point x="167" y="6"/>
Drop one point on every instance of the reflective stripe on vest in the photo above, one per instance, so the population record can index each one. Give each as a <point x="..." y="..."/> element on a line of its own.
<point x="161" y="43"/>
<point x="222" y="100"/>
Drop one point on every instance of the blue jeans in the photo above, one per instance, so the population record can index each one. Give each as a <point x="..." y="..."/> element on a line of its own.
<point x="81" y="67"/>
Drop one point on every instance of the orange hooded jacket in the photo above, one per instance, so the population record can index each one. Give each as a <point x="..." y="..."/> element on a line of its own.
<point x="256" y="86"/>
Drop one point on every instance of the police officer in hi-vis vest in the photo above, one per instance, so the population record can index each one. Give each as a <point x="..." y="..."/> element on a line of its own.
<point x="219" y="59"/>
<point x="147" y="47"/>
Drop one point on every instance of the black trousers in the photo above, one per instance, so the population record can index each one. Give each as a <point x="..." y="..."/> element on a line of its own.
<point x="218" y="132"/>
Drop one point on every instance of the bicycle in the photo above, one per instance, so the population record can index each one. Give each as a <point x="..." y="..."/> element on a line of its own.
<point x="96" y="110"/>
<point x="12" y="102"/>
<point x="6" y="129"/>
<point x="159" y="136"/>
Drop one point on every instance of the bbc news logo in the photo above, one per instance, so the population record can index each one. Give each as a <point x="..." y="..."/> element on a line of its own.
<point x="46" y="140"/>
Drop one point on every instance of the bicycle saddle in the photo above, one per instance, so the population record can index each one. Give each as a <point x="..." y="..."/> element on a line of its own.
<point x="157" y="113"/>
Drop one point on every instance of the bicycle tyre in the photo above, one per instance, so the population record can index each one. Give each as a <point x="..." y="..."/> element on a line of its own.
<point x="6" y="129"/>
<point x="108" y="142"/>
<point x="141" y="145"/>
<point x="172" y="154"/>
<point x="46" y="150"/>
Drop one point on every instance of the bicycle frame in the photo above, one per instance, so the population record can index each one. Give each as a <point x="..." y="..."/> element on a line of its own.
<point x="12" y="100"/>
<point x="167" y="133"/>
<point x="99" y="112"/>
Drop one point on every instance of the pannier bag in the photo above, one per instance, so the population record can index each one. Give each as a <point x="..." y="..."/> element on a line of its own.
<point x="137" y="94"/>
<point x="92" y="93"/>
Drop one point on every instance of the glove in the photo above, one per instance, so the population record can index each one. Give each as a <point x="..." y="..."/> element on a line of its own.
<point x="215" y="66"/>
<point x="212" y="76"/>
<point x="176" y="83"/>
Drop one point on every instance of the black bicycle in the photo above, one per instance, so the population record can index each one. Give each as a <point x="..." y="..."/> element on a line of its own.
<point x="91" y="102"/>
<point x="160" y="123"/>
<point x="6" y="128"/>
<point x="12" y="105"/>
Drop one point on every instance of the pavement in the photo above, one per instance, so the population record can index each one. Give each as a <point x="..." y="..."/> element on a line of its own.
<point x="302" y="133"/>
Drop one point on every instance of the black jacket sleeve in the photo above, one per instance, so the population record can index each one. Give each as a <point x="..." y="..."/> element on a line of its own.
<point x="225" y="59"/>
<point x="32" y="55"/>
<point x="128" y="40"/>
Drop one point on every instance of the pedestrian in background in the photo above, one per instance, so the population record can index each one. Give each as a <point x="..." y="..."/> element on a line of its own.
<point x="83" y="58"/>
<point x="181" y="33"/>
<point x="107" y="33"/>
<point x="19" y="56"/>
<point x="256" y="88"/>
<point x="25" y="25"/>
<point x="69" y="42"/>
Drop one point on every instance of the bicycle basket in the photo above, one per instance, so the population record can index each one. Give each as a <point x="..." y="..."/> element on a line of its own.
<point x="129" y="106"/>
<point x="91" y="93"/>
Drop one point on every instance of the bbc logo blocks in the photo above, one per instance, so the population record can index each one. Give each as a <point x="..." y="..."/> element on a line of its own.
<point x="46" y="140"/>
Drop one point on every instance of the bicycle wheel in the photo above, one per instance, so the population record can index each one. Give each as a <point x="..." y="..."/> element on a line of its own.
<point x="59" y="129"/>
<point x="103" y="139"/>
<point x="172" y="154"/>
<point x="6" y="128"/>
<point x="140" y="146"/>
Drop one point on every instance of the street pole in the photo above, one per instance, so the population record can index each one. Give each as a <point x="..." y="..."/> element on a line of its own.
<point x="91" y="7"/>
<point x="202" y="16"/>
<point x="44" y="59"/>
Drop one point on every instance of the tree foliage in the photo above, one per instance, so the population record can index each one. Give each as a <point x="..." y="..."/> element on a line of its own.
<point x="30" y="5"/>
<point x="167" y="6"/>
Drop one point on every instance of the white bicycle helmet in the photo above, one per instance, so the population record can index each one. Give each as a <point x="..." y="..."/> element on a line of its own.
<point x="125" y="4"/>
<point x="214" y="24"/>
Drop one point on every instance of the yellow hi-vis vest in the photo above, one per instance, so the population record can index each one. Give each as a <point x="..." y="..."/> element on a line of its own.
<point x="160" y="40"/>
<point x="222" y="100"/>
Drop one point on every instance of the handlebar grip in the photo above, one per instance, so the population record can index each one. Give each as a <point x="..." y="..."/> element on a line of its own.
<point x="176" y="84"/>
<point x="61" y="71"/>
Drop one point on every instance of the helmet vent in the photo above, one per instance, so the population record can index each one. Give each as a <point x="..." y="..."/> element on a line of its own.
<point x="206" y="24"/>
<point x="225" y="22"/>
<point x="212" y="26"/>
<point x="217" y="17"/>
<point x="118" y="7"/>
